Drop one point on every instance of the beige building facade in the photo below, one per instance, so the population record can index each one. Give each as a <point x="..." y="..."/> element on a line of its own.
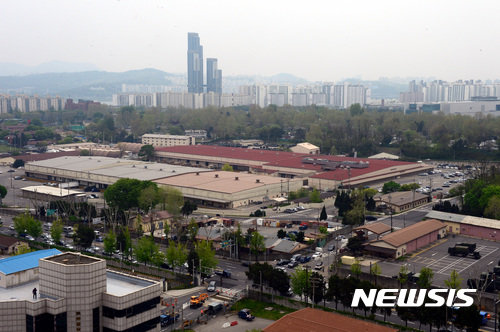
<point x="167" y="140"/>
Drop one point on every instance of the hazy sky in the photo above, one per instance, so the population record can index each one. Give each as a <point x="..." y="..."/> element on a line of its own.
<point x="317" y="40"/>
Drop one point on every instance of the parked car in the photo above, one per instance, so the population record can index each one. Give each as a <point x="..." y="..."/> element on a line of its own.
<point x="300" y="207"/>
<point x="211" y="286"/>
<point x="246" y="264"/>
<point x="307" y="259"/>
<point x="370" y="218"/>
<point x="293" y="264"/>
<point x="319" y="266"/>
<point x="280" y="268"/>
<point x="289" y="211"/>
<point x="331" y="247"/>
<point x="303" y="227"/>
<point x="290" y="225"/>
<point x="283" y="262"/>
<point x="245" y="314"/>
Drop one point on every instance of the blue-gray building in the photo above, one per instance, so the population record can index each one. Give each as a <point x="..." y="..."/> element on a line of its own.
<point x="214" y="76"/>
<point x="195" y="63"/>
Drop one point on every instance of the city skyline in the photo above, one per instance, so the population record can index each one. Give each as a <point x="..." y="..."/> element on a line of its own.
<point x="323" y="41"/>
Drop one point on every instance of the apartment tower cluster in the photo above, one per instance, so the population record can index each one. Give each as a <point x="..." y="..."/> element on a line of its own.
<point x="195" y="68"/>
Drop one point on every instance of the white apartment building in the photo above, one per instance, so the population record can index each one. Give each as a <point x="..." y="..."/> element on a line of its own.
<point x="167" y="140"/>
<point x="339" y="96"/>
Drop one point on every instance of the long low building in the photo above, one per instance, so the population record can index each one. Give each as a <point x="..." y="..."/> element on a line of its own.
<point x="407" y="240"/>
<point x="478" y="227"/>
<point x="202" y="186"/>
<point x="322" y="171"/>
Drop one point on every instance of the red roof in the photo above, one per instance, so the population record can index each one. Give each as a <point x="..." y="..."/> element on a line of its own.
<point x="229" y="152"/>
<point x="309" y="319"/>
<point x="292" y="160"/>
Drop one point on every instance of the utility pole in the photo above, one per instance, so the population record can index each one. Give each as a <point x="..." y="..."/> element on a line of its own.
<point x="315" y="282"/>
<point x="260" y="272"/>
<point x="307" y="285"/>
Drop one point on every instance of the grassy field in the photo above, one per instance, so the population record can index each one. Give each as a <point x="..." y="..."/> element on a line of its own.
<point x="258" y="309"/>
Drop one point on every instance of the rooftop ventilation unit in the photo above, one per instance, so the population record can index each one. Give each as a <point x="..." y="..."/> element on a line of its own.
<point x="216" y="175"/>
<point x="236" y="178"/>
<point x="258" y="180"/>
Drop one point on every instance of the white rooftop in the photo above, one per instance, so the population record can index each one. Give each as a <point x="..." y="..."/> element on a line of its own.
<point x="121" y="284"/>
<point x="21" y="292"/>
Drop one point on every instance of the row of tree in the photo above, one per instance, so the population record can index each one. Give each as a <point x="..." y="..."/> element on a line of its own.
<point x="435" y="136"/>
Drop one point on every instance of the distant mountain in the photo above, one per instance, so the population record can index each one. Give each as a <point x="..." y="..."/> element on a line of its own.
<point x="15" y="69"/>
<point x="101" y="85"/>
<point x="93" y="85"/>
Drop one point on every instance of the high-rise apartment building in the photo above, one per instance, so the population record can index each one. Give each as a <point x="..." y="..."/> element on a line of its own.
<point x="214" y="76"/>
<point x="195" y="63"/>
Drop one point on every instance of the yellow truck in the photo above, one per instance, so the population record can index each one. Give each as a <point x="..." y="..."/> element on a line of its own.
<point x="197" y="301"/>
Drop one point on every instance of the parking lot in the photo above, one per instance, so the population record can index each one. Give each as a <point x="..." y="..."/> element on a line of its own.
<point x="436" y="257"/>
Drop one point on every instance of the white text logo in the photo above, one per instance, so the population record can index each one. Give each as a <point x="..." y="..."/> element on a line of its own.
<point x="413" y="297"/>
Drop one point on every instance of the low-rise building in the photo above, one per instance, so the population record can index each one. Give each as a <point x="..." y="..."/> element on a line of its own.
<point x="478" y="227"/>
<point x="167" y="140"/>
<point x="400" y="201"/>
<point x="306" y="148"/>
<point x="407" y="240"/>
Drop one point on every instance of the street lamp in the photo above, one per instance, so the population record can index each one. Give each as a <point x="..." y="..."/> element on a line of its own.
<point x="390" y="208"/>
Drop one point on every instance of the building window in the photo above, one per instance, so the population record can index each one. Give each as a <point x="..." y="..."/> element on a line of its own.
<point x="95" y="320"/>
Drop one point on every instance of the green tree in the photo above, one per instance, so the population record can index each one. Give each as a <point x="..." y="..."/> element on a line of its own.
<point x="356" y="268"/>
<point x="314" y="196"/>
<point x="147" y="152"/>
<point x="227" y="168"/>
<point x="375" y="270"/>
<point x="206" y="253"/>
<point x="300" y="237"/>
<point x="123" y="194"/>
<point x="26" y="224"/>
<point x="409" y="187"/>
<point x="492" y="209"/>
<point x="56" y="230"/>
<point x="83" y="237"/>
<point x="146" y="250"/>
<point x="403" y="275"/>
<point x="3" y="193"/>
<point x="188" y="208"/>
<point x="192" y="229"/>
<point x="281" y="234"/>
<point x="257" y="244"/>
<point x="176" y="254"/>
<point x="84" y="152"/>
<point x="18" y="163"/>
<point x="317" y="286"/>
<point x="110" y="242"/>
<point x="390" y="187"/>
<point x="323" y="215"/>
<point x="23" y="249"/>
<point x="173" y="200"/>
<point x="468" y="318"/>
<point x="354" y="244"/>
<point x="425" y="279"/>
<point x="455" y="281"/>
<point x="124" y="241"/>
<point x="299" y="281"/>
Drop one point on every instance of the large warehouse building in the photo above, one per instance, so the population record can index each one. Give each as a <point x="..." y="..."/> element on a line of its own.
<point x="323" y="172"/>
<point x="202" y="186"/>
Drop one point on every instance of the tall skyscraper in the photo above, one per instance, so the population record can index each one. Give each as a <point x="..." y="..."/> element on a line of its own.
<point x="214" y="76"/>
<point x="195" y="63"/>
